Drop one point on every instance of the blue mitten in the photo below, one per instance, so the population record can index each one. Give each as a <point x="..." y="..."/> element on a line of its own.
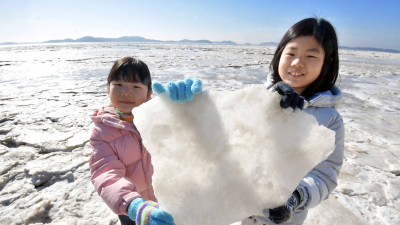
<point x="180" y="90"/>
<point x="291" y="100"/>
<point x="147" y="213"/>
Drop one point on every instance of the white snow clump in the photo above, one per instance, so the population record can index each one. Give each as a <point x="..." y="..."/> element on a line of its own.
<point x="229" y="154"/>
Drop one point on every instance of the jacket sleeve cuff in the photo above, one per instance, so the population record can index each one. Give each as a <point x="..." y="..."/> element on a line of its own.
<point x="126" y="200"/>
<point x="303" y="196"/>
<point x="316" y="190"/>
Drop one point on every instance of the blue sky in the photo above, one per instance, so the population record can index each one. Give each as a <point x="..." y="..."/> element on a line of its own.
<point x="368" y="23"/>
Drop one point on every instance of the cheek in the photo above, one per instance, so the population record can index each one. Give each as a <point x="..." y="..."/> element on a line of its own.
<point x="140" y="95"/>
<point x="281" y="66"/>
<point x="110" y="92"/>
<point x="113" y="94"/>
<point x="283" y="61"/>
<point x="318" y="67"/>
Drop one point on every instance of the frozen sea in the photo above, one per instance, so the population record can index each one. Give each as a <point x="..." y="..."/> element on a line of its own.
<point x="48" y="91"/>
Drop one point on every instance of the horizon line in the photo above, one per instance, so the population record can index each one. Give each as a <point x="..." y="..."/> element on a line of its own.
<point x="200" y="41"/>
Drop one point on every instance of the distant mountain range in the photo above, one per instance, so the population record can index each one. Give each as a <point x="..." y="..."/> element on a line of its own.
<point x="99" y="39"/>
<point x="136" y="39"/>
<point x="142" y="39"/>
<point x="370" y="49"/>
<point x="269" y="43"/>
<point x="125" y="39"/>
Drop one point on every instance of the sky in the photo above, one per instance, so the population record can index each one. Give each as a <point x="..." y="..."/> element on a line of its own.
<point x="367" y="23"/>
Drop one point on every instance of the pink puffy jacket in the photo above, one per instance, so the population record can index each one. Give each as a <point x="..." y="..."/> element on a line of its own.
<point x="120" y="165"/>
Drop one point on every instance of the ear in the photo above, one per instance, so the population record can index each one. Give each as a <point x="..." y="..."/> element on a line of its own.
<point x="148" y="96"/>
<point x="331" y="60"/>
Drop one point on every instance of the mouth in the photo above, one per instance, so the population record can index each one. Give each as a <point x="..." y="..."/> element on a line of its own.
<point x="296" y="74"/>
<point x="126" y="102"/>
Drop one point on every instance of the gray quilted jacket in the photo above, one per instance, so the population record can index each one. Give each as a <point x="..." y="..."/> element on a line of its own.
<point x="322" y="180"/>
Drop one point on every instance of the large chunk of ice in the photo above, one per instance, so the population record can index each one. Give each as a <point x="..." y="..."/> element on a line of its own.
<point x="228" y="155"/>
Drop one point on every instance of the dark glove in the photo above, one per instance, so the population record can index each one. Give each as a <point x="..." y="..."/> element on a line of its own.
<point x="290" y="98"/>
<point x="284" y="213"/>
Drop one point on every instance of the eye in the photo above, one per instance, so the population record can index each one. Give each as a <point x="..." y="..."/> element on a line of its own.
<point x="311" y="56"/>
<point x="117" y="84"/>
<point x="290" y="54"/>
<point x="136" y="86"/>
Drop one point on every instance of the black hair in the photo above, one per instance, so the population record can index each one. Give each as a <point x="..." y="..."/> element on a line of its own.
<point x="132" y="70"/>
<point x="324" y="33"/>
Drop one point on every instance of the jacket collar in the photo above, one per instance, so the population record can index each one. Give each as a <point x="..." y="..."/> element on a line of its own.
<point x="330" y="98"/>
<point x="109" y="116"/>
<point x="270" y="81"/>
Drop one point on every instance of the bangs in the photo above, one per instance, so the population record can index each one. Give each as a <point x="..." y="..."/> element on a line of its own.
<point x="130" y="76"/>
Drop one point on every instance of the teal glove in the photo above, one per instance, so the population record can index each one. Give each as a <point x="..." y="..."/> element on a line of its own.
<point x="147" y="213"/>
<point x="180" y="90"/>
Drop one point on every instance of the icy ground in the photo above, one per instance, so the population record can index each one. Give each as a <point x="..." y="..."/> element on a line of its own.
<point x="48" y="91"/>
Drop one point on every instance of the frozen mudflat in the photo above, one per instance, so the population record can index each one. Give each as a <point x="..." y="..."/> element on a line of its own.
<point x="47" y="93"/>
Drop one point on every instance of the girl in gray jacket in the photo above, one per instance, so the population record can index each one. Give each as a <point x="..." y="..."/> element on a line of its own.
<point x="305" y="66"/>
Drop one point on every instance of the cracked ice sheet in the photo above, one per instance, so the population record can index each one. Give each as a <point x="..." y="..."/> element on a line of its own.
<point x="228" y="155"/>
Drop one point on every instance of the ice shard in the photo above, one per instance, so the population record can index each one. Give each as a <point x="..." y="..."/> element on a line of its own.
<point x="228" y="154"/>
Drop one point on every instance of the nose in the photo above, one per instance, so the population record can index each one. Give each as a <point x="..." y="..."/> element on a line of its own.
<point x="298" y="62"/>
<point x="126" y="92"/>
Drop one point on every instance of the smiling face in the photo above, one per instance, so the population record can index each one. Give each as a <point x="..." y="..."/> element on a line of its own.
<point x="301" y="62"/>
<point x="126" y="95"/>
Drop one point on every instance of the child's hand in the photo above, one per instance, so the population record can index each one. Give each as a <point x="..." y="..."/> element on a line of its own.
<point x="147" y="213"/>
<point x="180" y="90"/>
<point x="291" y="100"/>
<point x="283" y="213"/>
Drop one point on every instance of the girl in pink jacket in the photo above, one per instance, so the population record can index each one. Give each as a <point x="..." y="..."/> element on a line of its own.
<point x="120" y="165"/>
